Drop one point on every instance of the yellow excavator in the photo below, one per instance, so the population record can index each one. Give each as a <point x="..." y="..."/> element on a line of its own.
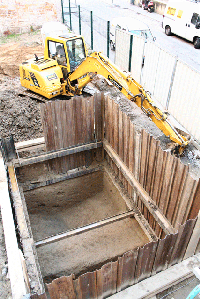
<point x="67" y="68"/>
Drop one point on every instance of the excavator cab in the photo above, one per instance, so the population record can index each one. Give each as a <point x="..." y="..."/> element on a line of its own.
<point x="68" y="52"/>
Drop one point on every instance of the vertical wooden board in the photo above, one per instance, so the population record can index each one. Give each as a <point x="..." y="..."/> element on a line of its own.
<point x="98" y="102"/>
<point x="78" y="119"/>
<point x="153" y="162"/>
<point x="107" y="280"/>
<point x="151" y="165"/>
<point x="43" y="112"/>
<point x="64" y="124"/>
<point x="70" y="122"/>
<point x="84" y="120"/>
<point x="177" y="185"/>
<point x="51" y="144"/>
<point x="116" y="126"/>
<point x="137" y="154"/>
<point x="107" y="120"/>
<point x="126" y="269"/>
<point x="164" y="252"/>
<point x="131" y="148"/>
<point x="145" y="260"/>
<point x="182" y="241"/>
<point x="167" y="182"/>
<point x="62" y="288"/>
<point x="126" y="122"/>
<point x="159" y="174"/>
<point x="150" y="170"/>
<point x="85" y="286"/>
<point x="91" y="109"/>
<point x="121" y="135"/>
<point x="54" y="118"/>
<point x="110" y="115"/>
<point x="58" y="117"/>
<point x="196" y="201"/>
<point x="186" y="197"/>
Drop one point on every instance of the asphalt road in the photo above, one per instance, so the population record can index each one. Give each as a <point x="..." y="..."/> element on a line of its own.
<point x="108" y="9"/>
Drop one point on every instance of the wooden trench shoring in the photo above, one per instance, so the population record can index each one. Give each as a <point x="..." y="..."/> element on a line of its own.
<point x="83" y="131"/>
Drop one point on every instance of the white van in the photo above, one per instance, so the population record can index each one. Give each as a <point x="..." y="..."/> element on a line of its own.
<point x="131" y="25"/>
<point x="182" y="17"/>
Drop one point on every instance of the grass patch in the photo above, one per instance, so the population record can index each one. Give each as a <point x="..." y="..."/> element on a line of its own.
<point x="15" y="37"/>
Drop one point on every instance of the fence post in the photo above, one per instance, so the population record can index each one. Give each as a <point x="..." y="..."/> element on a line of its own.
<point x="171" y="84"/>
<point x="91" y="19"/>
<point x="63" y="19"/>
<point x="130" y="53"/>
<point x="70" y="16"/>
<point x="192" y="245"/>
<point x="79" y="16"/>
<point x="108" y="38"/>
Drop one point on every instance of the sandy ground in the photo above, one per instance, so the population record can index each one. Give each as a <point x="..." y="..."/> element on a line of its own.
<point x="74" y="203"/>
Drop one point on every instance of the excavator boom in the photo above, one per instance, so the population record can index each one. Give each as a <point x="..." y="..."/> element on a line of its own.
<point x="99" y="64"/>
<point x="66" y="68"/>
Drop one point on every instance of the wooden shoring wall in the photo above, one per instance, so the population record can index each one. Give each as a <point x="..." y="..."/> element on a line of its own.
<point x="132" y="267"/>
<point x="68" y="123"/>
<point x="164" y="177"/>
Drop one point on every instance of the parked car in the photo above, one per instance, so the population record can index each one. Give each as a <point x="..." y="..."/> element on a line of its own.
<point x="131" y="25"/>
<point x="183" y="19"/>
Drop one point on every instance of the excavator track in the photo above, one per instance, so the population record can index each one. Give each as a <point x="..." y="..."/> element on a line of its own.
<point x="33" y="96"/>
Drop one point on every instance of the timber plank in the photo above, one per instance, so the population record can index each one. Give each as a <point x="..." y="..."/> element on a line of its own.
<point x="116" y="126"/>
<point x="62" y="287"/>
<point x="85" y="286"/>
<point x="107" y="123"/>
<point x="110" y="115"/>
<point x="50" y="142"/>
<point x="167" y="182"/>
<point x="107" y="280"/>
<point x="121" y="135"/>
<point x="195" y="207"/>
<point x="98" y="101"/>
<point x="144" y="146"/>
<point x="126" y="269"/>
<point x="177" y="185"/>
<point x="185" y="200"/>
<point x="152" y="165"/>
<point x="145" y="260"/>
<point x="164" y="252"/>
<point x="184" y="234"/>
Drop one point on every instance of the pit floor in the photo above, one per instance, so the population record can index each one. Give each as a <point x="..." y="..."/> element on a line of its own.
<point x="73" y="203"/>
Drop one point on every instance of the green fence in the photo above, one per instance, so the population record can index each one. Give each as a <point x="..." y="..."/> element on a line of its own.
<point x="95" y="30"/>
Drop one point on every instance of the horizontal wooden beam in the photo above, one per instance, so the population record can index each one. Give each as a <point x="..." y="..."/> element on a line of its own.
<point x="57" y="154"/>
<point x="71" y="174"/>
<point x="23" y="145"/>
<point x="146" y="199"/>
<point x="83" y="229"/>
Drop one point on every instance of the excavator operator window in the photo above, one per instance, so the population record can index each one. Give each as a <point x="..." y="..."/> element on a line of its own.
<point x="76" y="52"/>
<point x="57" y="52"/>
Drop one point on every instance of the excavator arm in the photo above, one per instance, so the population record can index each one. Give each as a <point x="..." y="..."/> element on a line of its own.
<point x="97" y="63"/>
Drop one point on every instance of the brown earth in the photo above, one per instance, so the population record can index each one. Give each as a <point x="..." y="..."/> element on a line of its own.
<point x="19" y="114"/>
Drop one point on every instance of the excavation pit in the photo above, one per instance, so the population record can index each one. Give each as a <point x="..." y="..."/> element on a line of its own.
<point x="90" y="202"/>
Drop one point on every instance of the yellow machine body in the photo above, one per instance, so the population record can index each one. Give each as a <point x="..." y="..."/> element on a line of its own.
<point x="66" y="69"/>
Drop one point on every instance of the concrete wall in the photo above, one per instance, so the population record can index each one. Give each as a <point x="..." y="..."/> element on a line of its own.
<point x="18" y="16"/>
